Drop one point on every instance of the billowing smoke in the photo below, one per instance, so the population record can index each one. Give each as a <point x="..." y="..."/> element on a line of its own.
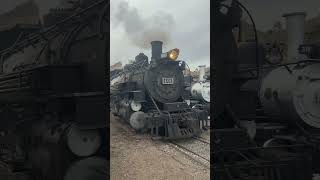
<point x="141" y="31"/>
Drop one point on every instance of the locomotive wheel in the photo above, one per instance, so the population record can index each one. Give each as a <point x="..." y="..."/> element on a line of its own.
<point x="83" y="142"/>
<point x="88" y="169"/>
<point x="280" y="152"/>
<point x="275" y="142"/>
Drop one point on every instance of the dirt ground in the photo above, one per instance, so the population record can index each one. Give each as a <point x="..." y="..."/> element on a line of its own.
<point x="136" y="156"/>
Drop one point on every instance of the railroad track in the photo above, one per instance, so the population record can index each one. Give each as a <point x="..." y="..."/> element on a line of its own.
<point x="198" y="149"/>
<point x="202" y="139"/>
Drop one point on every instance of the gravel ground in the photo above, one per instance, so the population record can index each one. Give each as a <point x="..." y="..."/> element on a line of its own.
<point x="198" y="147"/>
<point x="136" y="156"/>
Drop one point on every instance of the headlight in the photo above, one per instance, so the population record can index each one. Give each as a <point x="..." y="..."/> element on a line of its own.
<point x="135" y="106"/>
<point x="172" y="54"/>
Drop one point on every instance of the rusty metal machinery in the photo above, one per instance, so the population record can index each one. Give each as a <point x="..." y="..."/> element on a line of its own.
<point x="265" y="113"/>
<point x="52" y="95"/>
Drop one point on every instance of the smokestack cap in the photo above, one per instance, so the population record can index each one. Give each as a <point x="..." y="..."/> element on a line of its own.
<point x="294" y="14"/>
<point x="156" y="42"/>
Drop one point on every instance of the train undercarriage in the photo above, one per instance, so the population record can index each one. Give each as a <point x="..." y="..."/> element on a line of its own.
<point x="175" y="124"/>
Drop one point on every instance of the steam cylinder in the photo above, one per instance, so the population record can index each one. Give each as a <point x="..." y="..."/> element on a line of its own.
<point x="87" y="168"/>
<point x="295" y="34"/>
<point x="293" y="95"/>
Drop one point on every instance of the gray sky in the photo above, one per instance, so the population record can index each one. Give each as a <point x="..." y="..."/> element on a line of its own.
<point x="266" y="12"/>
<point x="181" y="24"/>
<point x="187" y="21"/>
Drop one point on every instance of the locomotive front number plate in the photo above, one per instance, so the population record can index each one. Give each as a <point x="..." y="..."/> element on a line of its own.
<point x="167" y="80"/>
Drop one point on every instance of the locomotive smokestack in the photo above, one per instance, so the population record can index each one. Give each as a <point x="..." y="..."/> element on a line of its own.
<point x="202" y="72"/>
<point x="295" y="34"/>
<point x="156" y="49"/>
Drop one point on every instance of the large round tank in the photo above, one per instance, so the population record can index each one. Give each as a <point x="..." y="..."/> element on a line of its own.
<point x="88" y="168"/>
<point x="83" y="142"/>
<point x="294" y="95"/>
<point x="201" y="91"/>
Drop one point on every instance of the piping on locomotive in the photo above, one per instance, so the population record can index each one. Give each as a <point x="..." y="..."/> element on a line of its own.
<point x="152" y="96"/>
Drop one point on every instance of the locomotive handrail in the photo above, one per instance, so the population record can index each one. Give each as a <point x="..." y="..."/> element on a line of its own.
<point x="280" y="65"/>
<point x="223" y="150"/>
<point x="154" y="103"/>
<point x="260" y="165"/>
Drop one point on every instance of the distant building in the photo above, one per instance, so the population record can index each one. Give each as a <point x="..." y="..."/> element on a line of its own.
<point x="195" y="74"/>
<point x="312" y="29"/>
<point x="278" y="33"/>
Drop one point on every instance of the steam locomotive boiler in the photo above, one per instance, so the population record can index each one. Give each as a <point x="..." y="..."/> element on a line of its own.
<point x="151" y="96"/>
<point x="52" y="97"/>
<point x="200" y="92"/>
<point x="266" y="114"/>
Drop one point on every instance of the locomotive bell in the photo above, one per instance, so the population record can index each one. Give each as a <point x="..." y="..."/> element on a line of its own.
<point x="141" y="57"/>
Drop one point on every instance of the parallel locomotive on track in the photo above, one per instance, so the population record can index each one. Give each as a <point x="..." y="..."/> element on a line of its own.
<point x="200" y="91"/>
<point x="151" y="96"/>
<point x="266" y="114"/>
<point x="52" y="97"/>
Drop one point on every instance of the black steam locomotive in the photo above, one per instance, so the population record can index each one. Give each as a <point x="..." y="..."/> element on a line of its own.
<point x="52" y="97"/>
<point x="151" y="96"/>
<point x="266" y="114"/>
